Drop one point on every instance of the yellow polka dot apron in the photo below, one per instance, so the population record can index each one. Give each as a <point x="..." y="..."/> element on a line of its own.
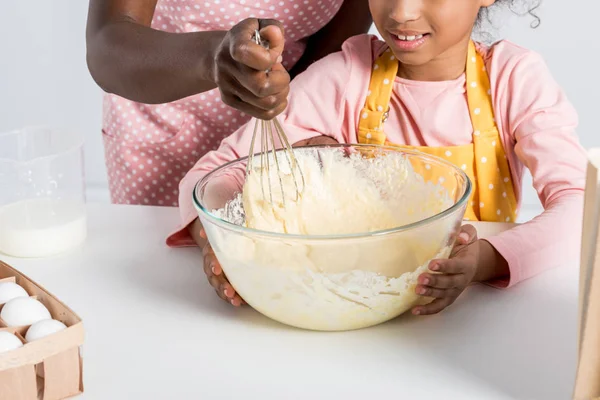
<point x="484" y="160"/>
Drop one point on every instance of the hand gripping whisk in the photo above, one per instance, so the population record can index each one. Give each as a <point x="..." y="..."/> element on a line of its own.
<point x="282" y="161"/>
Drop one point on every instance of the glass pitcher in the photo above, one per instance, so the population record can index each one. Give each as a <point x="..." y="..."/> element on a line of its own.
<point x="42" y="192"/>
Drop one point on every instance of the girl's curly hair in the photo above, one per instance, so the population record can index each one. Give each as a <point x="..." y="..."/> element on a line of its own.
<point x="518" y="7"/>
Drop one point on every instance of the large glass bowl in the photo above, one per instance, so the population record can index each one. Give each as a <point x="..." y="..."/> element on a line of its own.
<point x="333" y="282"/>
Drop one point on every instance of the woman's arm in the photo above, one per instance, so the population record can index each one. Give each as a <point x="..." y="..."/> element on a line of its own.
<point x="128" y="58"/>
<point x="352" y="19"/>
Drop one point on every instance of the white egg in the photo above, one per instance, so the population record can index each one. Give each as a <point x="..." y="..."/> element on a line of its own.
<point x="10" y="290"/>
<point x="43" y="328"/>
<point x="24" y="311"/>
<point x="8" y="342"/>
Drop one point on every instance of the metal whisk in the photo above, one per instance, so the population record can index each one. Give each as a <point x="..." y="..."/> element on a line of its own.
<point x="270" y="133"/>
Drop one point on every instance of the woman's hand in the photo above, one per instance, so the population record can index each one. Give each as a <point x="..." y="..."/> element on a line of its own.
<point x="452" y="275"/>
<point x="250" y="77"/>
<point x="216" y="277"/>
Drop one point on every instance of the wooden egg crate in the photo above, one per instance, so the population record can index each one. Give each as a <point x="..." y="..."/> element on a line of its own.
<point x="49" y="368"/>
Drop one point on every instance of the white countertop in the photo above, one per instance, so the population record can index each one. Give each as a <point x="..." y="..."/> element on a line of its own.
<point x="156" y="330"/>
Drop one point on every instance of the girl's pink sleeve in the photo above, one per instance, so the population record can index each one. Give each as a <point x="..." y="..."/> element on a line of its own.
<point x="542" y="122"/>
<point x="315" y="108"/>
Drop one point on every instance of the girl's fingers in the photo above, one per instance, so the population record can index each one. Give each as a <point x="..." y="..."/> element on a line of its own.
<point x="203" y="234"/>
<point x="237" y="301"/>
<point x="468" y="234"/>
<point x="449" y="266"/>
<point x="223" y="288"/>
<point x="443" y="281"/>
<point x="231" y="296"/>
<point x="207" y="270"/>
<point x="214" y="272"/>
<point x="227" y="290"/>
<point x="434" y="307"/>
<point x="207" y="250"/>
<point x="216" y="268"/>
<point x="220" y="284"/>
<point x="322" y="140"/>
<point x="429" y="291"/>
<point x="221" y="296"/>
<point x="212" y="266"/>
<point x="218" y="280"/>
<point x="217" y="284"/>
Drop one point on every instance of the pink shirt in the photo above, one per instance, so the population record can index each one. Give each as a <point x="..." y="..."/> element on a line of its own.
<point x="536" y="122"/>
<point x="149" y="148"/>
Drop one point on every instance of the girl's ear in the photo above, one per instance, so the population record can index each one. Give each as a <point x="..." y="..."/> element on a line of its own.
<point x="487" y="3"/>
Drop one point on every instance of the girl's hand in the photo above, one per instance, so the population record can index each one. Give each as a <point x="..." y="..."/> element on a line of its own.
<point x="240" y="69"/>
<point x="216" y="277"/>
<point x="317" y="140"/>
<point x="452" y="275"/>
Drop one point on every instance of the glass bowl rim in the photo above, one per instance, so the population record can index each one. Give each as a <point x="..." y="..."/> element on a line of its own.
<point x="284" y="236"/>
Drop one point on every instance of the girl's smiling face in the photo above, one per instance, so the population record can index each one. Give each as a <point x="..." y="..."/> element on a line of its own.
<point x="430" y="34"/>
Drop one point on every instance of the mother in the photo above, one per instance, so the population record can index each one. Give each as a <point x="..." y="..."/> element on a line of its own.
<point x="180" y="75"/>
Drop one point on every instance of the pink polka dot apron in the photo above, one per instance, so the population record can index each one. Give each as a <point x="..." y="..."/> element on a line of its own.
<point x="483" y="160"/>
<point x="149" y="148"/>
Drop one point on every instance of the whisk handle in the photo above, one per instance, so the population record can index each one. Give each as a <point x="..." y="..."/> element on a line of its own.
<point x="259" y="40"/>
<point x="264" y="43"/>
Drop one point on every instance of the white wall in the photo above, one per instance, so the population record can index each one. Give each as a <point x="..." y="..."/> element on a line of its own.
<point x="44" y="78"/>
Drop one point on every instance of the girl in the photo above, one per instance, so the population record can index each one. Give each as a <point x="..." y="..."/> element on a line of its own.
<point x="493" y="111"/>
<point x="199" y="58"/>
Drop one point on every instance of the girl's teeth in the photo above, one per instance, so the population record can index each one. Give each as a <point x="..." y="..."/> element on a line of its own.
<point x="410" y="38"/>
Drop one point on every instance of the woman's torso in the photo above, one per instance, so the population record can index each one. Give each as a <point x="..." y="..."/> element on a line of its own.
<point x="149" y="148"/>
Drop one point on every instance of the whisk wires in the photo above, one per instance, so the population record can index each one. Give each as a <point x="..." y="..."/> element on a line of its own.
<point x="272" y="134"/>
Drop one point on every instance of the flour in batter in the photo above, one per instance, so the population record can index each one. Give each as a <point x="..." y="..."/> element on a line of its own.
<point x="342" y="195"/>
